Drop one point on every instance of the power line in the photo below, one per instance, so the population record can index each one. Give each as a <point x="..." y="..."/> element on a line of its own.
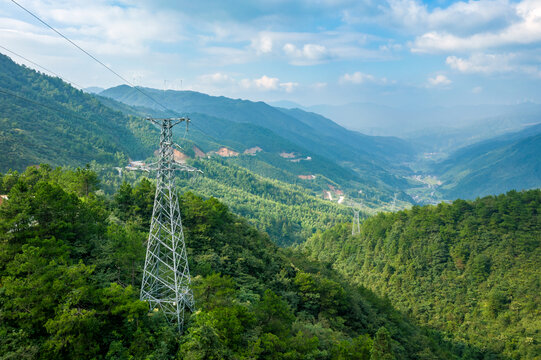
<point x="59" y="111"/>
<point x="92" y="57"/>
<point x="3" y="91"/>
<point x="40" y="66"/>
<point x="101" y="63"/>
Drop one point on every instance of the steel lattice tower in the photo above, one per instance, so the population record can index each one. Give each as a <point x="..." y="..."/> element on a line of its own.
<point x="166" y="275"/>
<point x="356" y="226"/>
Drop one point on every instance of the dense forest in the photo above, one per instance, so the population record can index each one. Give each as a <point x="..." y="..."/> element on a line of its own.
<point x="273" y="206"/>
<point x="71" y="264"/>
<point x="469" y="269"/>
<point x="286" y="212"/>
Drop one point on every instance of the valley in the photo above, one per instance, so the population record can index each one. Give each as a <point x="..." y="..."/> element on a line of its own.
<point x="277" y="273"/>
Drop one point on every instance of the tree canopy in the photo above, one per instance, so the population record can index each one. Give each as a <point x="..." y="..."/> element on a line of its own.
<point x="71" y="266"/>
<point x="471" y="269"/>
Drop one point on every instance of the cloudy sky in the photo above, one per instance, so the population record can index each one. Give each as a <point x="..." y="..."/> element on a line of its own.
<point x="394" y="52"/>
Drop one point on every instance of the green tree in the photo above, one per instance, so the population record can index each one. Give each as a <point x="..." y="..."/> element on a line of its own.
<point x="274" y="315"/>
<point x="382" y="348"/>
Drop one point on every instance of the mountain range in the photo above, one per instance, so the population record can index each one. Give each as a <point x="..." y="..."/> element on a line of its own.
<point x="382" y="162"/>
<point x="433" y="128"/>
<point x="308" y="131"/>
<point x="494" y="166"/>
<point x="295" y="146"/>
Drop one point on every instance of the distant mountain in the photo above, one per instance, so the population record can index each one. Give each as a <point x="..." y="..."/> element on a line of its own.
<point x="59" y="124"/>
<point x="93" y="89"/>
<point x="286" y="104"/>
<point x="317" y="135"/>
<point x="433" y="128"/>
<point x="278" y="158"/>
<point x="494" y="166"/>
<point x="384" y="147"/>
<point x="368" y="118"/>
<point x="363" y="167"/>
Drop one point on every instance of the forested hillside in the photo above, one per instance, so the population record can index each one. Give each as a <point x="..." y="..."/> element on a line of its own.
<point x="373" y="157"/>
<point x="469" y="269"/>
<point x="288" y="213"/>
<point x="494" y="166"/>
<point x="59" y="124"/>
<point x="348" y="160"/>
<point x="71" y="264"/>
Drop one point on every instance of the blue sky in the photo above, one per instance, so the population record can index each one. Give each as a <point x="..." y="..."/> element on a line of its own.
<point x="395" y="52"/>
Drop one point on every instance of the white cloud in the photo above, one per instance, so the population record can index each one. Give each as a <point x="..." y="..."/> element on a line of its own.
<point x="221" y="81"/>
<point x="482" y="63"/>
<point x="216" y="78"/>
<point x="308" y="48"/>
<point x="356" y="78"/>
<point x="461" y="16"/>
<point x="103" y="28"/>
<point x="525" y="29"/>
<point x="291" y="49"/>
<point x="408" y="13"/>
<point x="309" y="54"/>
<point x="477" y="90"/>
<point x="471" y="15"/>
<point x="266" y="83"/>
<point x="263" y="83"/>
<point x="314" y="51"/>
<point x="289" y="86"/>
<point x="319" y="85"/>
<point x="439" y="80"/>
<point x="263" y="44"/>
<point x="391" y="46"/>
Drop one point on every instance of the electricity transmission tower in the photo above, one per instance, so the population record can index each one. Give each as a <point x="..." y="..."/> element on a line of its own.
<point x="394" y="203"/>
<point x="166" y="276"/>
<point x="356" y="226"/>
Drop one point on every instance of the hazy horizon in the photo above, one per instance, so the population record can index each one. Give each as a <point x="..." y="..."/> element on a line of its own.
<point x="394" y="53"/>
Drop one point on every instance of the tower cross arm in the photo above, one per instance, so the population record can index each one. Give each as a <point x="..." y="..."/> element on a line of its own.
<point x="174" y="121"/>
